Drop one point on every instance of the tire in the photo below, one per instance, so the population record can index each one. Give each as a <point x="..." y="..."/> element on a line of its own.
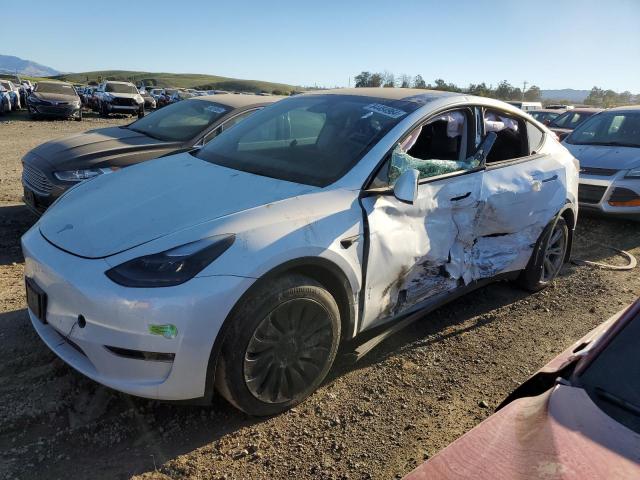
<point x="547" y="258"/>
<point x="279" y="346"/>
<point x="102" y="108"/>
<point x="78" y="118"/>
<point x="141" y="112"/>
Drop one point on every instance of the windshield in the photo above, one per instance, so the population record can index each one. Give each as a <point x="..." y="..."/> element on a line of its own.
<point x="58" y="88"/>
<point x="180" y="121"/>
<point x="120" y="88"/>
<point x="309" y="139"/>
<point x="612" y="379"/>
<point x="570" y="119"/>
<point x="609" y="128"/>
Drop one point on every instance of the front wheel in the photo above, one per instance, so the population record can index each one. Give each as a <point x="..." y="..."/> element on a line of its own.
<point x="78" y="117"/>
<point x="547" y="258"/>
<point x="280" y="346"/>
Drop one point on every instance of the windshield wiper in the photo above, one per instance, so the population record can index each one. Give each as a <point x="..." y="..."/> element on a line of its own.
<point x="617" y="401"/>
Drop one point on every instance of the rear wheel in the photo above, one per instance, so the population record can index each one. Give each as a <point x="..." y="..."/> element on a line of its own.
<point x="547" y="258"/>
<point x="279" y="347"/>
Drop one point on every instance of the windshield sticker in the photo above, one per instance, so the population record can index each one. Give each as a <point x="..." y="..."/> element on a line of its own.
<point x="384" y="110"/>
<point x="215" y="109"/>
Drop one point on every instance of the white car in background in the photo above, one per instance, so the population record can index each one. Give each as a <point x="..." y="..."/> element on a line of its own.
<point x="243" y="265"/>
<point x="608" y="147"/>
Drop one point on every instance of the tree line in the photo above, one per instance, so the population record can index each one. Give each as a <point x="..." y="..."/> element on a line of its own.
<point x="608" y="98"/>
<point x="503" y="91"/>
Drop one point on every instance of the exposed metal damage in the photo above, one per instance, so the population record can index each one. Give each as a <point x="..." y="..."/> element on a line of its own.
<point x="455" y="234"/>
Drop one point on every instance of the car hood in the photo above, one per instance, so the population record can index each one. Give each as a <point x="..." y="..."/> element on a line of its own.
<point x="602" y="156"/>
<point x="56" y="97"/>
<point x="560" y="434"/>
<point x="89" y="148"/>
<point x="116" y="212"/>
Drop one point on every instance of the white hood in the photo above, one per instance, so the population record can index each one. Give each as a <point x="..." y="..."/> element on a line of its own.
<point x="122" y="210"/>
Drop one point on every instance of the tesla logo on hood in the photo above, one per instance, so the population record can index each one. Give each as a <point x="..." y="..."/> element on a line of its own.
<point x="68" y="226"/>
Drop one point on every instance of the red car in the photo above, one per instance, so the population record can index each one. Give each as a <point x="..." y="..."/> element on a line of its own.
<point x="577" y="418"/>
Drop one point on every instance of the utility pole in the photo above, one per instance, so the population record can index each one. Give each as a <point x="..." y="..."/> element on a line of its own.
<point x="524" y="88"/>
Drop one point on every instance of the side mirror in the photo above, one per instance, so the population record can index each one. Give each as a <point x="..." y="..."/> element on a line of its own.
<point x="406" y="187"/>
<point x="485" y="148"/>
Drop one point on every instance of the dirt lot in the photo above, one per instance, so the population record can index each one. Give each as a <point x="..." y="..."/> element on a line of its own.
<point x="378" y="418"/>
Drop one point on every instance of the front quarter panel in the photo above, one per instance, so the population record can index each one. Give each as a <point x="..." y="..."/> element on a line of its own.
<point x="270" y="235"/>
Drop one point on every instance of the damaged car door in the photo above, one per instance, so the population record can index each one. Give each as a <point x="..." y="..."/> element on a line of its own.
<point x="522" y="192"/>
<point x="421" y="249"/>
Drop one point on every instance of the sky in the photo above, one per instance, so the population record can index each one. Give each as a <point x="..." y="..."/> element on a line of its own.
<point x="550" y="43"/>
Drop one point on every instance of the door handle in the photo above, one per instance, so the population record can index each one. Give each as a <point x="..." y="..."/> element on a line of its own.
<point x="460" y="197"/>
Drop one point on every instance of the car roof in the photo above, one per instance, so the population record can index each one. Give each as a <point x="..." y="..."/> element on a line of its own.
<point x="118" y="81"/>
<point x="54" y="83"/>
<point x="384" y="93"/>
<point x="549" y="110"/>
<point x="421" y="96"/>
<point x="594" y="110"/>
<point x="238" y="101"/>
<point x="630" y="108"/>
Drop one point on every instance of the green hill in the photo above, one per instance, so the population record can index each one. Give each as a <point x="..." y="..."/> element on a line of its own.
<point x="181" y="80"/>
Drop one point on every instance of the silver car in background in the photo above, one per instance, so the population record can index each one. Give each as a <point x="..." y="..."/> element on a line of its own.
<point x="608" y="148"/>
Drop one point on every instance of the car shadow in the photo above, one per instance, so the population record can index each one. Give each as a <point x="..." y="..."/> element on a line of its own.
<point x="157" y="432"/>
<point x="15" y="220"/>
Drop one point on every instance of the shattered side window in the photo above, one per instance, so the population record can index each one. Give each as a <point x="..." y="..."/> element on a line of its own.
<point x="435" y="148"/>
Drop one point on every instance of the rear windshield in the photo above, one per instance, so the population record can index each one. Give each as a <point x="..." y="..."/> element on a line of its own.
<point x="309" y="139"/>
<point x="120" y="88"/>
<point x="609" y="128"/>
<point x="180" y="121"/>
<point x="612" y="380"/>
<point x="59" y="88"/>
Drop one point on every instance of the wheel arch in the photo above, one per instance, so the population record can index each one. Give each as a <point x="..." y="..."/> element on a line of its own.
<point x="325" y="272"/>
<point x="567" y="212"/>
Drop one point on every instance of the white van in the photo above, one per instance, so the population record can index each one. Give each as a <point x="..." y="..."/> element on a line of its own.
<point x="526" y="106"/>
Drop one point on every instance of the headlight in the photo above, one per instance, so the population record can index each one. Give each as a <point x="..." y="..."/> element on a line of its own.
<point x="633" y="173"/>
<point x="139" y="99"/>
<point x="83" y="174"/>
<point x="171" y="267"/>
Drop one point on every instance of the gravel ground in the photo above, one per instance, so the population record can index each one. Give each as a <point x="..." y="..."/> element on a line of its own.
<point x="378" y="418"/>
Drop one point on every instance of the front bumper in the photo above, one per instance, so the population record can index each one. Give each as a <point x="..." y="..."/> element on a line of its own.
<point x="62" y="111"/>
<point x="123" y="108"/>
<point x="120" y="317"/>
<point x="40" y="189"/>
<point x="610" y="195"/>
